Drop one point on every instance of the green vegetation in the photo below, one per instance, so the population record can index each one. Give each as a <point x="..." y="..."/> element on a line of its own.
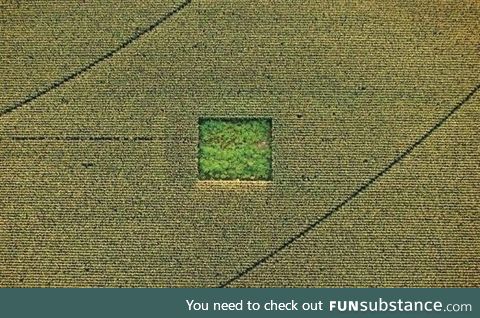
<point x="350" y="84"/>
<point x="233" y="149"/>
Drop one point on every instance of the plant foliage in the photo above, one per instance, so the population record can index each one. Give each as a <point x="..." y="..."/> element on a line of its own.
<point x="232" y="149"/>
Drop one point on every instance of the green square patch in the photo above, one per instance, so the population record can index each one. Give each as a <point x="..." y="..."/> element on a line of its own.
<point x="235" y="149"/>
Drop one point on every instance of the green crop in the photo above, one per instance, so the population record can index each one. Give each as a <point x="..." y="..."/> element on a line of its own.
<point x="232" y="149"/>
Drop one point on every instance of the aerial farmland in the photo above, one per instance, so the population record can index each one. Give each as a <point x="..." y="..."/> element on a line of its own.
<point x="239" y="143"/>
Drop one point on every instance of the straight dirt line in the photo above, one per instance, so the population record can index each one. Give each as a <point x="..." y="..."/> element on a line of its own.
<point x="356" y="193"/>
<point x="87" y="67"/>
<point x="78" y="138"/>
